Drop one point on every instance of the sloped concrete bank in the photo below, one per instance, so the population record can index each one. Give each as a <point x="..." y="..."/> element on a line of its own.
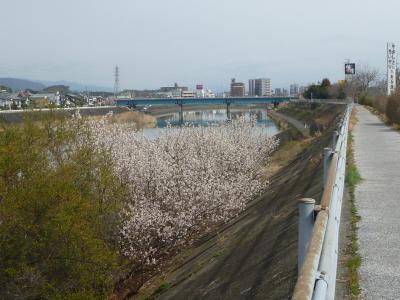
<point x="255" y="255"/>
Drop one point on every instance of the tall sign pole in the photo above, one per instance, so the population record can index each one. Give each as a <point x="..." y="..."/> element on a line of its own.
<point x="349" y="70"/>
<point x="391" y="68"/>
<point x="347" y="77"/>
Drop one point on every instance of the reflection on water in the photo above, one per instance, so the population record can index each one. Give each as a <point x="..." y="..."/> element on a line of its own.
<point x="213" y="116"/>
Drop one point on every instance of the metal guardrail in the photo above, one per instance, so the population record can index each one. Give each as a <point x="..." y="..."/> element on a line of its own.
<point x="319" y="225"/>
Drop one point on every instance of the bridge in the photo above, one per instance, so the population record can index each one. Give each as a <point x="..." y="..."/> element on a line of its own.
<point x="140" y="102"/>
<point x="135" y="102"/>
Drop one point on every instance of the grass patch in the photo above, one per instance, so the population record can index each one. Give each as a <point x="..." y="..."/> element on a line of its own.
<point x="162" y="288"/>
<point x="140" y="119"/>
<point x="284" y="154"/>
<point x="352" y="175"/>
<point x="352" y="179"/>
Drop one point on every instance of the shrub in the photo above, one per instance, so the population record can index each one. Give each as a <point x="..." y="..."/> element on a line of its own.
<point x="393" y="108"/>
<point x="380" y="103"/>
<point x="365" y="99"/>
<point x="58" y="213"/>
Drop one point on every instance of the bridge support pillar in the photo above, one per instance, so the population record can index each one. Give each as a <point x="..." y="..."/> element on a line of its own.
<point x="181" y="114"/>
<point x="228" y="110"/>
<point x="306" y="224"/>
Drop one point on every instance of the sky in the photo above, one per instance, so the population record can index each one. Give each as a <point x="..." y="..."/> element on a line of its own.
<point x="158" y="42"/>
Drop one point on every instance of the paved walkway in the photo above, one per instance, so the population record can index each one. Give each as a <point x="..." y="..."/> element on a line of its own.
<point x="377" y="155"/>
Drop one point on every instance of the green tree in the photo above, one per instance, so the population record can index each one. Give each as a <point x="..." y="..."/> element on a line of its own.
<point x="312" y="92"/>
<point x="58" y="210"/>
<point x="341" y="92"/>
<point x="325" y="83"/>
<point x="5" y="88"/>
<point x="319" y="91"/>
<point x="62" y="89"/>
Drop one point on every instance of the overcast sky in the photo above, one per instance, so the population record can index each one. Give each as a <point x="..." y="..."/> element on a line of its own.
<point x="159" y="42"/>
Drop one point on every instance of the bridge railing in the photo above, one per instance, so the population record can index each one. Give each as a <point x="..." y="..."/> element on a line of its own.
<point x="200" y="101"/>
<point x="319" y="225"/>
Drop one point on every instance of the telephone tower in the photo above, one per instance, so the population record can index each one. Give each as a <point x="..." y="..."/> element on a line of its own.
<point x="116" y="83"/>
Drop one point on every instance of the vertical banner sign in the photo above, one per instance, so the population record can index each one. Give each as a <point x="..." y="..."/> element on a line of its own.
<point x="391" y="68"/>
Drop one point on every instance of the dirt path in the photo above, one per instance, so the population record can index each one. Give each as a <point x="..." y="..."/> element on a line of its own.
<point x="295" y="123"/>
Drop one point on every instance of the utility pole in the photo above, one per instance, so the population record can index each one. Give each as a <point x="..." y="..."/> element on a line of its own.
<point x="116" y="83"/>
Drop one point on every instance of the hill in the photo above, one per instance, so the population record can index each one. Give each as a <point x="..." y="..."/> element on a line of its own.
<point x="77" y="87"/>
<point x="63" y="89"/>
<point x="17" y="84"/>
<point x="21" y="84"/>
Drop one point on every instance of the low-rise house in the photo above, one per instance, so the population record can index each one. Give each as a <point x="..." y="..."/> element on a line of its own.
<point x="5" y="100"/>
<point x="50" y="98"/>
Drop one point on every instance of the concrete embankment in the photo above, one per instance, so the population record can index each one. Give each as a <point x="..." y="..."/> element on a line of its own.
<point x="255" y="255"/>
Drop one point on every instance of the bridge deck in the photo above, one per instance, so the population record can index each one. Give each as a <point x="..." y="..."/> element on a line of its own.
<point x="200" y="101"/>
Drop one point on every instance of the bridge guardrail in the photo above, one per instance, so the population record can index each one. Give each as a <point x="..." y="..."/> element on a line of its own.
<point x="318" y="236"/>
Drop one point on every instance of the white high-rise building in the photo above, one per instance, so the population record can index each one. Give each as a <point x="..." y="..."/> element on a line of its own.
<point x="252" y="87"/>
<point x="260" y="87"/>
<point x="294" y="90"/>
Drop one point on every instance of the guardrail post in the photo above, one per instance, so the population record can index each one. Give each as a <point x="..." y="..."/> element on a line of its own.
<point x="321" y="288"/>
<point x="334" y="139"/>
<point x="326" y="158"/>
<point x="306" y="224"/>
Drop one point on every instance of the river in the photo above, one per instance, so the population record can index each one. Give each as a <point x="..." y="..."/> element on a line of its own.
<point x="204" y="117"/>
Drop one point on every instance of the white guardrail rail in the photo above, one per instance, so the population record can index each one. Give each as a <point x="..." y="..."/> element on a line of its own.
<point x="319" y="224"/>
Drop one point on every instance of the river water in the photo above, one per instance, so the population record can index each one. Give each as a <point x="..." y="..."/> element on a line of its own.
<point x="204" y="117"/>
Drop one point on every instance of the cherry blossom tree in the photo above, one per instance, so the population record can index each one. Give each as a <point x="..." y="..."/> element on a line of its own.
<point x="184" y="182"/>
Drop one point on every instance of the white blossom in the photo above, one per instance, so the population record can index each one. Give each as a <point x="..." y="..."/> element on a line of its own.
<point x="183" y="182"/>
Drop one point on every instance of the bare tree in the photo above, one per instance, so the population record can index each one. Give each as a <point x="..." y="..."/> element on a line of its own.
<point x="361" y="82"/>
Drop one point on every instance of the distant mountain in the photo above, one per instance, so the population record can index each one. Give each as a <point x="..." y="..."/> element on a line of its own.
<point x="17" y="84"/>
<point x="78" y="87"/>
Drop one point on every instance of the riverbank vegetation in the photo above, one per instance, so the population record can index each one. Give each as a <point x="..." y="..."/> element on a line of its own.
<point x="358" y="86"/>
<point x="59" y="209"/>
<point x="139" y="119"/>
<point x="387" y="107"/>
<point x="88" y="205"/>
